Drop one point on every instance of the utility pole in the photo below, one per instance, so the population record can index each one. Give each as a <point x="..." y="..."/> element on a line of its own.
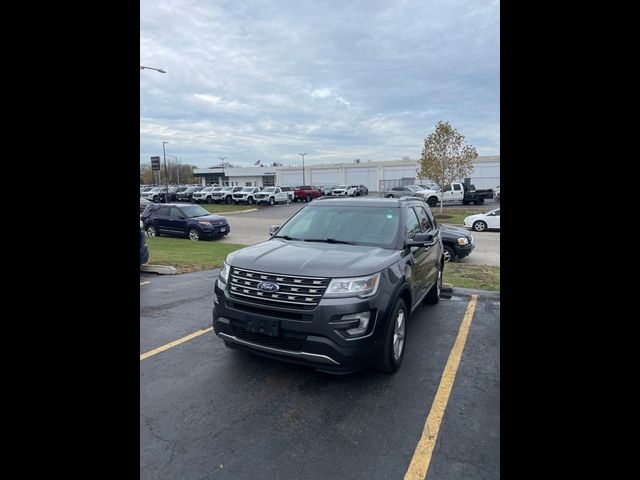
<point x="166" y="183"/>
<point x="302" y="155"/>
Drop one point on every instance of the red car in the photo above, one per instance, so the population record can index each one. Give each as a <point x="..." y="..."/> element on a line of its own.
<point x="306" y="193"/>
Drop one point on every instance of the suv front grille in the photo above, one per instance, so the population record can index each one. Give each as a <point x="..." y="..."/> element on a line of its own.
<point x="282" y="342"/>
<point x="294" y="292"/>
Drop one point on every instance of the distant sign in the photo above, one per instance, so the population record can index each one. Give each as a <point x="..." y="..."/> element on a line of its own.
<point x="155" y="163"/>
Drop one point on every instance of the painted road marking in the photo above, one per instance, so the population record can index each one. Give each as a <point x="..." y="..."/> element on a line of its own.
<point x="422" y="455"/>
<point x="155" y="351"/>
<point x="144" y="283"/>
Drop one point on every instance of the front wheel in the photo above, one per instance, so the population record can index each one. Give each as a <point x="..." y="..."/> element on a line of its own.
<point x="308" y="197"/>
<point x="393" y="343"/>
<point x="433" y="296"/>
<point x="449" y="254"/>
<point x="209" y="200"/>
<point x="479" y="226"/>
<point x="390" y="196"/>
<point x="194" y="234"/>
<point x="151" y="231"/>
<point x="272" y="201"/>
<point x="250" y="200"/>
<point x="432" y="202"/>
<point x="229" y="200"/>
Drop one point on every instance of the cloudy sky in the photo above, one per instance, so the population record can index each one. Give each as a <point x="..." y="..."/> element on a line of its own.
<point x="264" y="80"/>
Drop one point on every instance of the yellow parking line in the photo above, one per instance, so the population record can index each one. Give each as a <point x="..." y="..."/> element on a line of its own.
<point x="155" y="351"/>
<point x="422" y="454"/>
<point x="144" y="283"/>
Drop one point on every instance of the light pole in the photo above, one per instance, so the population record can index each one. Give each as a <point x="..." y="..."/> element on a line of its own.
<point x="166" y="183"/>
<point x="142" y="67"/>
<point x="302" y="155"/>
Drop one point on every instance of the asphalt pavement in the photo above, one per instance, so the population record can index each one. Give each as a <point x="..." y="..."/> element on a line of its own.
<point x="207" y="411"/>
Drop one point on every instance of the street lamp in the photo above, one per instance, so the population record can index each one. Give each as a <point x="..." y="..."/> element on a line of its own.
<point x="166" y="183"/>
<point x="302" y="155"/>
<point x="142" y="67"/>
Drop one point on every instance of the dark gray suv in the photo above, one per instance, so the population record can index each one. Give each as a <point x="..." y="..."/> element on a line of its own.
<point x="334" y="286"/>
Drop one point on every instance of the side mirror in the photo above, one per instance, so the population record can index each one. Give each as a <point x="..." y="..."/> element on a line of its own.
<point x="273" y="229"/>
<point x="422" y="240"/>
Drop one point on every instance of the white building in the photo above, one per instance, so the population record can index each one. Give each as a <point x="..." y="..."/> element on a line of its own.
<point x="485" y="174"/>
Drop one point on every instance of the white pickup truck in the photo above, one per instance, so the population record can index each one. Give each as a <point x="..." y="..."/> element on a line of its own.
<point x="455" y="192"/>
<point x="272" y="195"/>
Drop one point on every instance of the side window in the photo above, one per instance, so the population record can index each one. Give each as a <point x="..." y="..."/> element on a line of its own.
<point x="457" y="187"/>
<point x="447" y="188"/>
<point x="162" y="212"/>
<point x="412" y="225"/>
<point x="425" y="222"/>
<point x="175" y="213"/>
<point x="277" y="190"/>
<point x="496" y="213"/>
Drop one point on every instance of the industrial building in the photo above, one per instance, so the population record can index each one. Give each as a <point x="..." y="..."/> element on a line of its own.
<point x="375" y="175"/>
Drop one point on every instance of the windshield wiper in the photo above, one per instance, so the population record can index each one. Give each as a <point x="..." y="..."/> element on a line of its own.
<point x="329" y="240"/>
<point x="286" y="237"/>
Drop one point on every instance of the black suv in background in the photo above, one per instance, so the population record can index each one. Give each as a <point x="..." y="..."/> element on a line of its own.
<point x="185" y="220"/>
<point x="334" y="286"/>
<point x="186" y="195"/>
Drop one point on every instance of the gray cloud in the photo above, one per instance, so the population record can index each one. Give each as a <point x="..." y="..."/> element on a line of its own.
<point x="362" y="79"/>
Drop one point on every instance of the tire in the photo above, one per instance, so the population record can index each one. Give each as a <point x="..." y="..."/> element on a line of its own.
<point x="250" y="200"/>
<point x="194" y="234"/>
<point x="229" y="200"/>
<point x="390" y="196"/>
<point x="479" y="202"/>
<point x="387" y="360"/>
<point x="449" y="254"/>
<point x="433" y="296"/>
<point x="272" y="201"/>
<point x="465" y="202"/>
<point x="308" y="198"/>
<point x="432" y="201"/>
<point x="479" y="226"/>
<point x="152" y="231"/>
<point x="295" y="199"/>
<point x="209" y="200"/>
<point x="156" y="199"/>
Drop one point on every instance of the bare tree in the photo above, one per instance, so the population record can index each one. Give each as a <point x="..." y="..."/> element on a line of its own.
<point x="445" y="158"/>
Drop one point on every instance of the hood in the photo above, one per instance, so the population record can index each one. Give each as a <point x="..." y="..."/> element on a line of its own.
<point x="450" y="231"/>
<point x="313" y="258"/>
<point x="211" y="218"/>
<point x="471" y="218"/>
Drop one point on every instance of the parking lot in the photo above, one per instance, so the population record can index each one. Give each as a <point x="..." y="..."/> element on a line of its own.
<point x="252" y="227"/>
<point x="207" y="411"/>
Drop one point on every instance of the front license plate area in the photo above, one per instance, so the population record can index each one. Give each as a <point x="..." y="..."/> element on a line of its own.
<point x="265" y="326"/>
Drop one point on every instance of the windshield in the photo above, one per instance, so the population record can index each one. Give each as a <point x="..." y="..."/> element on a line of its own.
<point x="413" y="188"/>
<point x="194" y="211"/>
<point x="206" y="189"/>
<point x="341" y="186"/>
<point x="247" y="189"/>
<point x="269" y="189"/>
<point x="227" y="189"/>
<point x="377" y="226"/>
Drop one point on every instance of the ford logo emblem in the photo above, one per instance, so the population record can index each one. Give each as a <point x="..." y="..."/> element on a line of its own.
<point x="268" y="286"/>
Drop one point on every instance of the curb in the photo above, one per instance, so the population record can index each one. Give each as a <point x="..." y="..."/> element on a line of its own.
<point x="159" y="269"/>
<point x="239" y="211"/>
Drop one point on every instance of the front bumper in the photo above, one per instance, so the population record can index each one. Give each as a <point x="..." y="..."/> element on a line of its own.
<point x="464" y="250"/>
<point x="307" y="337"/>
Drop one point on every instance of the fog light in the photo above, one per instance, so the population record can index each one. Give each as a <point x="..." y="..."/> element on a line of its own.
<point x="363" y="317"/>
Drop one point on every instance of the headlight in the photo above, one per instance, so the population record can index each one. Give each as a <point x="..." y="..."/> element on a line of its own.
<point x="224" y="272"/>
<point x="349" y="287"/>
<point x="462" y="241"/>
<point x="202" y="222"/>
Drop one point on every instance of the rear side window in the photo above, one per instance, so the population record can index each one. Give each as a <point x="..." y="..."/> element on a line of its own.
<point x="162" y="212"/>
